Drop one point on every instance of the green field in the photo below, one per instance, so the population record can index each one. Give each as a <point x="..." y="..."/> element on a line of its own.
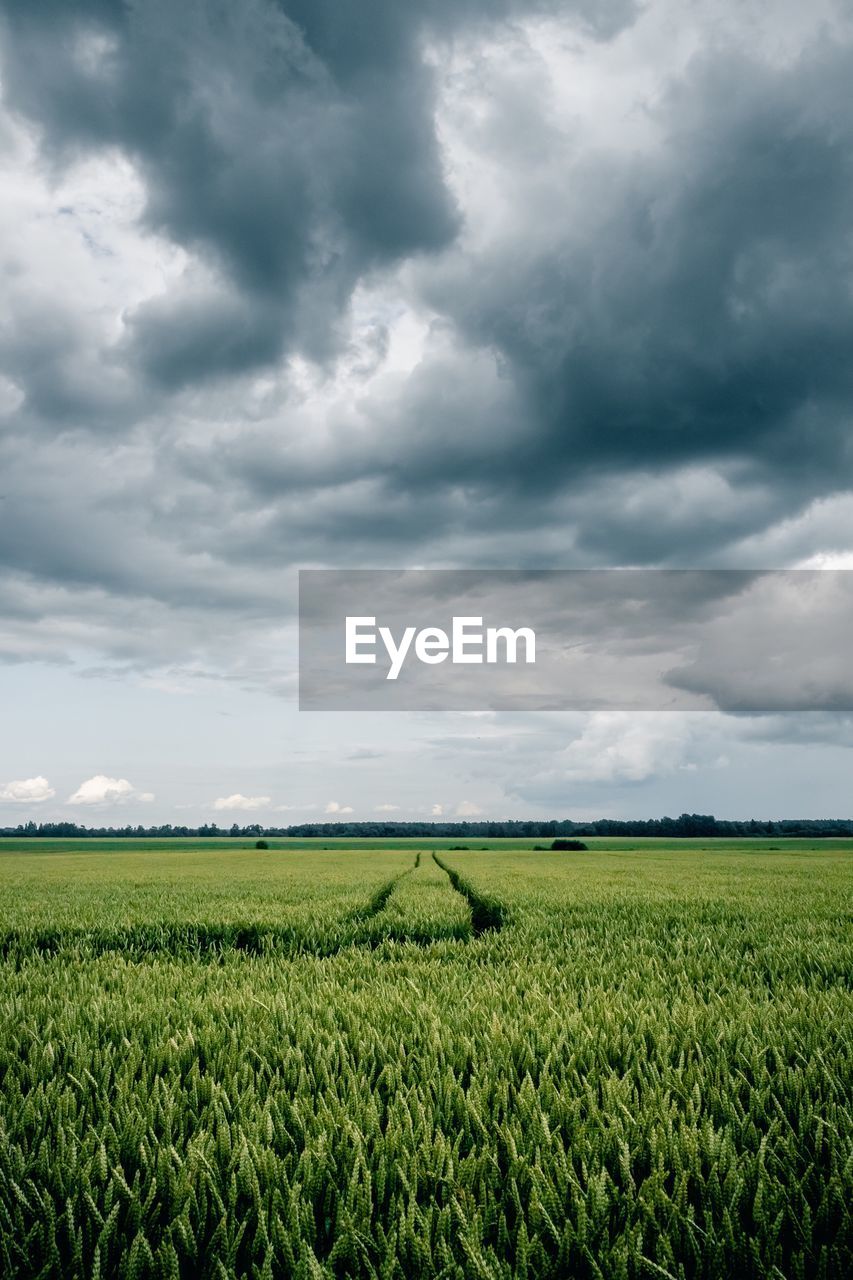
<point x="324" y="1060"/>
<point x="100" y="844"/>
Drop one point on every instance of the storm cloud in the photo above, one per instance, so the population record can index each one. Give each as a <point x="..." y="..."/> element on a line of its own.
<point x="513" y="285"/>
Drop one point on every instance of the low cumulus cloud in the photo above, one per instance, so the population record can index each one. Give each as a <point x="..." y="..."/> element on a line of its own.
<point x="27" y="791"/>
<point x="238" y="801"/>
<point x="618" y="747"/>
<point x="103" y="791"/>
<point x="335" y="807"/>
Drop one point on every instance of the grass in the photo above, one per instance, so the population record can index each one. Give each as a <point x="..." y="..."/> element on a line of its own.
<point x="223" y="1062"/>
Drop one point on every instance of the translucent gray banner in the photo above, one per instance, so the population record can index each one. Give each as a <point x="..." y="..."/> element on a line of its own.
<point x="741" y="641"/>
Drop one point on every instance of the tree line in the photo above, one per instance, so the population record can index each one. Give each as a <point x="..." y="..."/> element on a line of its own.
<point x="686" y="825"/>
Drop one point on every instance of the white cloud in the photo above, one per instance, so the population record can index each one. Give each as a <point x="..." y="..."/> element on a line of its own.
<point x="334" y="807"/>
<point x="466" y="809"/>
<point x="102" y="790"/>
<point x="27" y="791"/>
<point x="437" y="810"/>
<point x="243" y="802"/>
<point x="618" y="746"/>
<point x="386" y="808"/>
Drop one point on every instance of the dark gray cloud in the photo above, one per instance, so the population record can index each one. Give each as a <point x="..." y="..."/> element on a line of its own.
<point x="282" y="144"/>
<point x="695" y="305"/>
<point x="605" y="640"/>
<point x="291" y="146"/>
<point x="817" y="728"/>
<point x="629" y="354"/>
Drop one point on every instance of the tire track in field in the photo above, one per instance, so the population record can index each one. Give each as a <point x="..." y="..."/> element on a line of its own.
<point x="379" y="899"/>
<point x="188" y="940"/>
<point x="196" y="940"/>
<point x="487" y="914"/>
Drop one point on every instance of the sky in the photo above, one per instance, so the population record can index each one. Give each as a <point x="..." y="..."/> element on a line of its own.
<point x="452" y="284"/>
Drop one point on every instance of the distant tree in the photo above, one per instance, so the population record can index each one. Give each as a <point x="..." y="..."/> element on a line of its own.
<point x="565" y="846"/>
<point x="261" y="844"/>
<point x="689" y="825"/>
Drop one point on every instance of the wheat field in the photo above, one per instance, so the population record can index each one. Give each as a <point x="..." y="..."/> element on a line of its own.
<point x="217" y="1061"/>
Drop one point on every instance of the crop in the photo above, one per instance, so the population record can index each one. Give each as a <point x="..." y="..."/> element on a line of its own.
<point x="217" y="1062"/>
